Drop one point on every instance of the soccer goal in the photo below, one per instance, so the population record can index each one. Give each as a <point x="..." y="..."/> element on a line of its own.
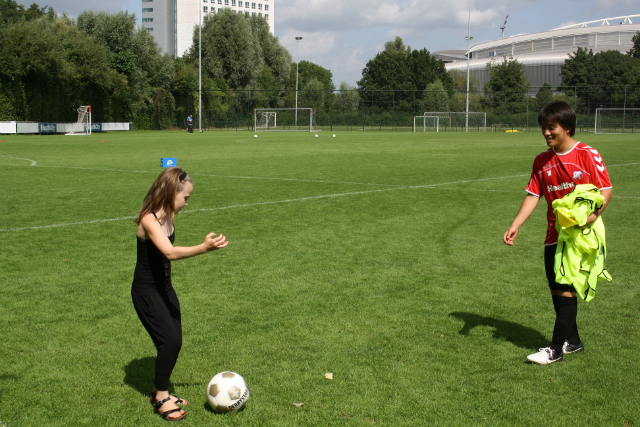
<point x="617" y="120"/>
<point x="266" y="120"/>
<point x="477" y="120"/>
<point x="83" y="125"/>
<point x="428" y="122"/>
<point x="284" y="120"/>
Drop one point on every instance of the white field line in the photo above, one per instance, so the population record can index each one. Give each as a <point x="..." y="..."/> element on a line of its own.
<point x="324" y="196"/>
<point x="33" y="162"/>
<point x="199" y="174"/>
<point x="412" y="187"/>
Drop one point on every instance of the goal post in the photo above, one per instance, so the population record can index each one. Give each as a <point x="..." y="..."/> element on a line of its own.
<point x="83" y="125"/>
<point x="430" y="121"/>
<point x="266" y="120"/>
<point x="284" y="120"/>
<point x="477" y="120"/>
<point x="616" y="120"/>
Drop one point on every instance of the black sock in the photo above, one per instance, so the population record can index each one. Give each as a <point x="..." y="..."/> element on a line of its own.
<point x="566" y="313"/>
<point x="573" y="337"/>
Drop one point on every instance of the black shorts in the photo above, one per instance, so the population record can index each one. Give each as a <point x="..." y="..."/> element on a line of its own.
<point x="549" y="256"/>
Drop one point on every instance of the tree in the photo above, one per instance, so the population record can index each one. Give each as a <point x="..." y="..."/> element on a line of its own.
<point x="347" y="99"/>
<point x="544" y="96"/>
<point x="307" y="72"/>
<point x="458" y="101"/>
<point x="576" y="69"/>
<point x="313" y="95"/>
<point x="230" y="50"/>
<point x="404" y="73"/>
<point x="635" y="50"/>
<point x="275" y="56"/>
<point x="50" y="68"/>
<point x="12" y="12"/>
<point x="144" y="76"/>
<point x="507" y="87"/>
<point x="397" y="46"/>
<point x="115" y="31"/>
<point x="601" y="79"/>
<point x="436" y="98"/>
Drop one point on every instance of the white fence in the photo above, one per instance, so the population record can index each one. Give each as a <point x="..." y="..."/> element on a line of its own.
<point x="41" y="127"/>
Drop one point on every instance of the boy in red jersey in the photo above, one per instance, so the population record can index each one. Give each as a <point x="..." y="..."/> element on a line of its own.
<point x="556" y="172"/>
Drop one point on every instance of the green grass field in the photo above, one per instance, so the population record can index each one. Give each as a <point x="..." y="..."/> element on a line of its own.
<point x="377" y="257"/>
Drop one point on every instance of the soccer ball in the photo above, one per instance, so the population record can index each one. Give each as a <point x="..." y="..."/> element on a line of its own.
<point x="316" y="135"/>
<point x="226" y="392"/>
<point x="255" y="136"/>
<point x="334" y="135"/>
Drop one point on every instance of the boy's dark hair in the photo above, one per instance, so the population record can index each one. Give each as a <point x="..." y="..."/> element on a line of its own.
<point x="559" y="112"/>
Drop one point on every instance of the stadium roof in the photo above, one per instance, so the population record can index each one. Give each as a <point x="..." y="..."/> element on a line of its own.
<point x="566" y="39"/>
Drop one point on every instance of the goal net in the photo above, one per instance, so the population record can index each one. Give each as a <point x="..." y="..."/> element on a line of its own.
<point x="266" y="120"/>
<point x="83" y="125"/>
<point x="617" y="120"/>
<point x="431" y="123"/>
<point x="477" y="120"/>
<point x="284" y="120"/>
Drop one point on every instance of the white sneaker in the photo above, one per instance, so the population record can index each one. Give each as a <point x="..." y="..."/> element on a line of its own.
<point x="544" y="357"/>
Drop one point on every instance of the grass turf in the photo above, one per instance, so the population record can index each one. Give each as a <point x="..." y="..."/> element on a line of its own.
<point x="374" y="256"/>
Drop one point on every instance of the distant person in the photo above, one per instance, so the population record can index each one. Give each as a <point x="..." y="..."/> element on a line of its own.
<point x="152" y="291"/>
<point x="190" y="124"/>
<point x="556" y="172"/>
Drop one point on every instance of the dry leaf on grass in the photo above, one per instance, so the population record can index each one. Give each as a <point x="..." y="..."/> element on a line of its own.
<point x="298" y="404"/>
<point x="328" y="376"/>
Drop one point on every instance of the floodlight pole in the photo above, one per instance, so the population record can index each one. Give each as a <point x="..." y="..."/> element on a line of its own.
<point x="469" y="38"/>
<point x="297" y="61"/>
<point x="200" y="70"/>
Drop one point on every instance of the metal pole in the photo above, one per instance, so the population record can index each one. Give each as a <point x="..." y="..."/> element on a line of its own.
<point x="297" y="61"/>
<point x="200" y="69"/>
<point x="469" y="38"/>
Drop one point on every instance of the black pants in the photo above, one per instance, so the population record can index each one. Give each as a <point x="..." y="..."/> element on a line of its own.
<point x="549" y="258"/>
<point x="190" y="128"/>
<point x="159" y="313"/>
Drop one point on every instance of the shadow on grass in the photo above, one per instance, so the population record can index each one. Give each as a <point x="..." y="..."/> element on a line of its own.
<point x="139" y="374"/>
<point x="516" y="334"/>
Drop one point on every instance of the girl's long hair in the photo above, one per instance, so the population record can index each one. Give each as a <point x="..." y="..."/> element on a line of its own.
<point x="162" y="194"/>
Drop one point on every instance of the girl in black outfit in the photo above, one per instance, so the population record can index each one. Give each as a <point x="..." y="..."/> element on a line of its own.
<point x="153" y="295"/>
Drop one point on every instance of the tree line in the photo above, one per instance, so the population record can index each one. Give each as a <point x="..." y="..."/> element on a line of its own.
<point x="52" y="64"/>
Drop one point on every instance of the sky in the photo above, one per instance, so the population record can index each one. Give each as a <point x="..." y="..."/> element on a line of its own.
<point x="342" y="35"/>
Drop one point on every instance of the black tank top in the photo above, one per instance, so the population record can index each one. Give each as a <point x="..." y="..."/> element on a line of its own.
<point x="153" y="269"/>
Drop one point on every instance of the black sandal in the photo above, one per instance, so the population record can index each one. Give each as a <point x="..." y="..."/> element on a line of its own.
<point x="165" y="414"/>
<point x="152" y="400"/>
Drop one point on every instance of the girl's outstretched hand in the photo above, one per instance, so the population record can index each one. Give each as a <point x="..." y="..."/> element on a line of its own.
<point x="212" y="243"/>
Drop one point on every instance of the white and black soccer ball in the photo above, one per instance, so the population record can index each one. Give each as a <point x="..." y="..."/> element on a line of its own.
<point x="226" y="392"/>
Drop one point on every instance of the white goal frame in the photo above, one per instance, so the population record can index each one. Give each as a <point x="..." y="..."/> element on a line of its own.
<point x="599" y="128"/>
<point x="459" y="118"/>
<point x="83" y="125"/>
<point x="264" y="120"/>
<point x="283" y="127"/>
<point x="436" y="122"/>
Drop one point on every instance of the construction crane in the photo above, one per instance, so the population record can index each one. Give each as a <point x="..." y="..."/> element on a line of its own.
<point x="504" y="25"/>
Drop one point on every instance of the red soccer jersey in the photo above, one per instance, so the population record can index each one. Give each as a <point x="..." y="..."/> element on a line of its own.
<point x="555" y="175"/>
